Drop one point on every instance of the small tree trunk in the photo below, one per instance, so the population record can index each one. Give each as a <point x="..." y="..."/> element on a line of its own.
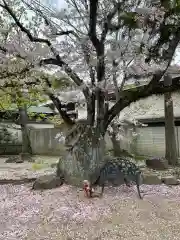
<point x="171" y="148"/>
<point x="116" y="145"/>
<point x="115" y="142"/>
<point x="26" y="145"/>
<point x="86" y="156"/>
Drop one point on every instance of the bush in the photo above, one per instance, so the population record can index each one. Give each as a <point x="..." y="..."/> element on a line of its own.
<point x="37" y="166"/>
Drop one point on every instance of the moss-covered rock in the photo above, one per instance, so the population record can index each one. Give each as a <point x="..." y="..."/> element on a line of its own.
<point x="151" y="179"/>
<point x="170" y="180"/>
<point x="157" y="163"/>
<point x="47" y="182"/>
<point x="14" y="159"/>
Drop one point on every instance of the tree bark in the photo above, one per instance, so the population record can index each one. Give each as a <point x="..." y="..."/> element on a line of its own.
<point x="26" y="144"/>
<point x="86" y="156"/>
<point x="116" y="145"/>
<point x="170" y="139"/>
<point x="115" y="142"/>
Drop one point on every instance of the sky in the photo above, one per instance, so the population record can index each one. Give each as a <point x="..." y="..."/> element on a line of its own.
<point x="59" y="3"/>
<point x="62" y="4"/>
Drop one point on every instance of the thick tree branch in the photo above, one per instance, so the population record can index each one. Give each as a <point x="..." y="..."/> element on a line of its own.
<point x="91" y="98"/>
<point x="99" y="46"/>
<point x="107" y="22"/>
<point x="50" y="61"/>
<point x="92" y="25"/>
<point x="23" y="29"/>
<point x="67" y="69"/>
<point x="132" y="95"/>
<point x="154" y="86"/>
<point x="3" y="49"/>
<point x="58" y="105"/>
<point x="70" y="73"/>
<point x="61" y="33"/>
<point x="48" y="22"/>
<point x="57" y="61"/>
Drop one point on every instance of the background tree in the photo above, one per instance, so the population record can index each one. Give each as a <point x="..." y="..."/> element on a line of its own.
<point x="16" y="99"/>
<point x="170" y="137"/>
<point x="22" y="88"/>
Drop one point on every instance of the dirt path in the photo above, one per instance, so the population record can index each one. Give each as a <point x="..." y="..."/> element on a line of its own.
<point x="41" y="166"/>
<point x="64" y="213"/>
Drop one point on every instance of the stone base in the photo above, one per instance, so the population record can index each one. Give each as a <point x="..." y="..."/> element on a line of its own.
<point x="151" y="179"/>
<point x="71" y="171"/>
<point x="170" y="180"/>
<point x="13" y="159"/>
<point x="25" y="157"/>
<point x="157" y="163"/>
<point x="17" y="181"/>
<point x="47" y="182"/>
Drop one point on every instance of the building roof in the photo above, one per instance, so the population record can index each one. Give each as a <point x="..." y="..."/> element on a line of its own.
<point x="144" y="68"/>
<point x="39" y="109"/>
<point x="33" y="109"/>
<point x="151" y="108"/>
<point x="68" y="96"/>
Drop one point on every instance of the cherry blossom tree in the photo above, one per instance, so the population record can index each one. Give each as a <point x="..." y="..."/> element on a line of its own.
<point x="80" y="41"/>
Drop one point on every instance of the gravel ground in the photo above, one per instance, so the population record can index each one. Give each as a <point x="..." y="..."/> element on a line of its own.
<point x="25" y="170"/>
<point x="64" y="213"/>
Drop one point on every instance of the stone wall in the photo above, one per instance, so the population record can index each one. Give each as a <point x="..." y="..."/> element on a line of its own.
<point x="10" y="149"/>
<point x="44" y="142"/>
<point x="149" y="141"/>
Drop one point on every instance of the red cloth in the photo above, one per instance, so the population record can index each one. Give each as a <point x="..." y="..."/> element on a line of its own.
<point x="88" y="190"/>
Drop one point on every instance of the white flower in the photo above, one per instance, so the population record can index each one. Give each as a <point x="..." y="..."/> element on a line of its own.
<point x="143" y="11"/>
<point x="60" y="137"/>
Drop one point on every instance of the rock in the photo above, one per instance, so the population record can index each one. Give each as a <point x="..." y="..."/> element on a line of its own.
<point x="152" y="179"/>
<point x="96" y="195"/>
<point x="53" y="165"/>
<point x="47" y="182"/>
<point x="17" y="181"/>
<point x="157" y="163"/>
<point x="26" y="157"/>
<point x="14" y="159"/>
<point x="59" y="172"/>
<point x="170" y="180"/>
<point x="20" y="159"/>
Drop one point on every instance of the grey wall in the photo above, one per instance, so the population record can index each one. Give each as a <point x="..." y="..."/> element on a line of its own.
<point x="148" y="141"/>
<point x="151" y="141"/>
<point x="43" y="142"/>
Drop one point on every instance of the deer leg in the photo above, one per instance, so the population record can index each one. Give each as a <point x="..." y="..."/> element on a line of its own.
<point x="137" y="184"/>
<point x="102" y="190"/>
<point x="127" y="182"/>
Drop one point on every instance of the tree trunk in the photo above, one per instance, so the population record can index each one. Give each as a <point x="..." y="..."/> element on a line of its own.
<point x="87" y="156"/>
<point x="26" y="145"/>
<point x="171" y="148"/>
<point x="115" y="142"/>
<point x="116" y="145"/>
<point x="117" y="150"/>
